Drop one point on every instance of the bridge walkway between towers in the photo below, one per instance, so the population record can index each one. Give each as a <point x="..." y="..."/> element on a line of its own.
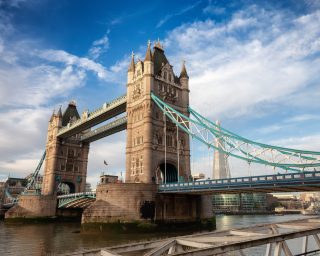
<point x="105" y="130"/>
<point x="274" y="237"/>
<point x="90" y="119"/>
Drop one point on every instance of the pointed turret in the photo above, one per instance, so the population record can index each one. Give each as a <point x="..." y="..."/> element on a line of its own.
<point x="131" y="67"/>
<point x="148" y="53"/>
<point x="52" y="116"/>
<point x="59" y="112"/>
<point x="59" y="117"/>
<point x="148" y="61"/>
<point x="184" y="82"/>
<point x="158" y="57"/>
<point x="70" y="114"/>
<point x="183" y="72"/>
<point x="158" y="45"/>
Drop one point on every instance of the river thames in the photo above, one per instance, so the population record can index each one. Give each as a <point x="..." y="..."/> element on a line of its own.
<point x="58" y="238"/>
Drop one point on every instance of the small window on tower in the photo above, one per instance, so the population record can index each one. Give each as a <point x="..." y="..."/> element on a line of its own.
<point x="69" y="167"/>
<point x="71" y="152"/>
<point x="165" y="75"/>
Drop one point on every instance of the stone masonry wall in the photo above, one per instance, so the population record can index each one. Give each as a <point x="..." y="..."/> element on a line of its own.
<point x="119" y="202"/>
<point x="32" y="206"/>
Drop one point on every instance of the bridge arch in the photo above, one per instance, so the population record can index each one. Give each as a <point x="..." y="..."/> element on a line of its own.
<point x="168" y="170"/>
<point x="66" y="187"/>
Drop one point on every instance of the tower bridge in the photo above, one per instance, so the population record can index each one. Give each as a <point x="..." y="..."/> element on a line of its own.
<point x="159" y="123"/>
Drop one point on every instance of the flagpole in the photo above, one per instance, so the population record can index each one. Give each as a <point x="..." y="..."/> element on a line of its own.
<point x="106" y="164"/>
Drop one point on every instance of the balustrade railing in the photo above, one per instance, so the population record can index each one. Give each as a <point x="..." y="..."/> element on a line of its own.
<point x="104" y="128"/>
<point x="105" y="107"/>
<point x="75" y="195"/>
<point x="279" y="178"/>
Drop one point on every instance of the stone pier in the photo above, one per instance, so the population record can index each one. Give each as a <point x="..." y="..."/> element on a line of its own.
<point x="128" y="203"/>
<point x="121" y="202"/>
<point x="33" y="206"/>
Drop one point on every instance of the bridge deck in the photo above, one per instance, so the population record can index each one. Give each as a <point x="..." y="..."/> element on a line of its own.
<point x="107" y="111"/>
<point x="106" y="130"/>
<point x="291" y="182"/>
<point x="220" y="242"/>
<point x="76" y="200"/>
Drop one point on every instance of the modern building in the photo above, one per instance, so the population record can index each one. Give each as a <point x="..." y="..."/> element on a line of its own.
<point x="221" y="168"/>
<point x="240" y="203"/>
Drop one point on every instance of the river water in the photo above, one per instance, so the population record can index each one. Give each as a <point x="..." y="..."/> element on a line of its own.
<point x="58" y="238"/>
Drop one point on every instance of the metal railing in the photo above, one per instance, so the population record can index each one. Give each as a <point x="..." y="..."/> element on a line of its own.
<point x="105" y="107"/>
<point x="75" y="195"/>
<point x="69" y="198"/>
<point x="105" y="128"/>
<point x="241" y="181"/>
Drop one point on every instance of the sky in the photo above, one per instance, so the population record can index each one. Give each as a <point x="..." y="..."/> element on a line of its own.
<point x="254" y="65"/>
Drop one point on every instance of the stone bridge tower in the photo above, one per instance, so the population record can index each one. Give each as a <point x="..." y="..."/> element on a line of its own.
<point x="146" y="161"/>
<point x="66" y="159"/>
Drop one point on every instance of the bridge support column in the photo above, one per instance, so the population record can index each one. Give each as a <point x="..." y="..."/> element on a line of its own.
<point x="33" y="206"/>
<point x="121" y="203"/>
<point x="133" y="203"/>
<point x="182" y="208"/>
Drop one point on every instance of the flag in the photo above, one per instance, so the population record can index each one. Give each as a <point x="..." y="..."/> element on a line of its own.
<point x="105" y="162"/>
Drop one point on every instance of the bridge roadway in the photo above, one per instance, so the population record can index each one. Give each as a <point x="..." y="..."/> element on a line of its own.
<point x="76" y="200"/>
<point x="290" y="182"/>
<point x="88" y="120"/>
<point x="275" y="236"/>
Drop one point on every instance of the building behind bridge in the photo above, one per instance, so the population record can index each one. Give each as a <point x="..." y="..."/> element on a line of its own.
<point x="240" y="203"/>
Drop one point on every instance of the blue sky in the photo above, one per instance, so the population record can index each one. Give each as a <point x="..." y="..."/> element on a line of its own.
<point x="254" y="65"/>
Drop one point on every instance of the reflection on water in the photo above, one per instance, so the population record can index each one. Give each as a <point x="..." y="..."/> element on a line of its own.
<point x="55" y="238"/>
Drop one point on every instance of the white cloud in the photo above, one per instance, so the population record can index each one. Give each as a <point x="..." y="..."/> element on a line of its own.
<point x="33" y="80"/>
<point x="69" y="59"/>
<point x="112" y="150"/>
<point x="34" y="86"/>
<point x="171" y="15"/>
<point x="22" y="139"/>
<point x="308" y="142"/>
<point x="256" y="60"/>
<point x="99" y="46"/>
<point x="302" y="118"/>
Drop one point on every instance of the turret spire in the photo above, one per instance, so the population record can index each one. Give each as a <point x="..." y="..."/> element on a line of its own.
<point x="158" y="45"/>
<point x="148" y="53"/>
<point x="52" y="116"/>
<point x="59" y="112"/>
<point x="131" y="67"/>
<point x="183" y="72"/>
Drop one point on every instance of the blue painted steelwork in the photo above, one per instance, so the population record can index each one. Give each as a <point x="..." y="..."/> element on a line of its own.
<point x="11" y="198"/>
<point x="32" y="182"/>
<point x="64" y="200"/>
<point x="236" y="146"/>
<point x="306" y="181"/>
